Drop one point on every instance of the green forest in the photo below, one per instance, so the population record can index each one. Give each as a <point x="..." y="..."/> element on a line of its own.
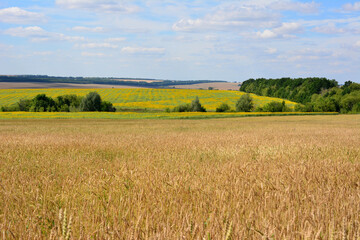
<point x="313" y="94"/>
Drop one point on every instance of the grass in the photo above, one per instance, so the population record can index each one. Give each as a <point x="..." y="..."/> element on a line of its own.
<point x="143" y="98"/>
<point x="146" y="115"/>
<point x="242" y="178"/>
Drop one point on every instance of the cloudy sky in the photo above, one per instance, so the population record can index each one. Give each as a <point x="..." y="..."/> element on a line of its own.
<point x="168" y="39"/>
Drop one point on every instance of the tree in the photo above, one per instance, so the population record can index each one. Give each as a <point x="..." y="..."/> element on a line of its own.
<point x="196" y="106"/>
<point x="42" y="103"/>
<point x="245" y="103"/>
<point x="91" y="102"/>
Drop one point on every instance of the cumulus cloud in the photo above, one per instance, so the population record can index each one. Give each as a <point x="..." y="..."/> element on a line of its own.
<point x="352" y="7"/>
<point x="88" y="29"/>
<point x="19" y="16"/>
<point x="36" y="33"/>
<point x="98" y="5"/>
<point x="142" y="50"/>
<point x="96" y="45"/>
<point x="357" y="44"/>
<point x="229" y="17"/>
<point x="244" y="15"/>
<point x="286" y="30"/>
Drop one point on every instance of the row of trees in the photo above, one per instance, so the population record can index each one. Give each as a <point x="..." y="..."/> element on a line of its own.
<point x="246" y="104"/>
<point x="298" y="90"/>
<point x="345" y="99"/>
<point x="313" y="94"/>
<point x="65" y="103"/>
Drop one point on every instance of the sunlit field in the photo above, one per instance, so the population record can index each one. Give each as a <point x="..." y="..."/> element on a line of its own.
<point x="143" y="98"/>
<point x="275" y="177"/>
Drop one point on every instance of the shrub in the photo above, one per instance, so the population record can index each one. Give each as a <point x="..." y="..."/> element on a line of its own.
<point x="107" y="107"/>
<point x="182" y="108"/>
<point x="245" y="103"/>
<point x="224" y="107"/>
<point x="276" y="107"/>
<point x="195" y="106"/>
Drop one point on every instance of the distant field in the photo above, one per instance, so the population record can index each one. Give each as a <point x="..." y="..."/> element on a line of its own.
<point x="244" y="178"/>
<point x="215" y="85"/>
<point x="143" y="98"/>
<point x="31" y="85"/>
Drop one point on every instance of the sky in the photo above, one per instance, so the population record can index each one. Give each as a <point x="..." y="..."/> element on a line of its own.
<point x="181" y="40"/>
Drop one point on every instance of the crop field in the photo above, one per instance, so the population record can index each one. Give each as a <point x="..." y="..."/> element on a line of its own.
<point x="142" y="98"/>
<point x="242" y="178"/>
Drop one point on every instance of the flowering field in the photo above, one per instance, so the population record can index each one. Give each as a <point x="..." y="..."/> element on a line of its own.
<point x="143" y="98"/>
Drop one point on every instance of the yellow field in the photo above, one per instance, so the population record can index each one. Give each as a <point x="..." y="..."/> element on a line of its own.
<point x="142" y="98"/>
<point x="243" y="178"/>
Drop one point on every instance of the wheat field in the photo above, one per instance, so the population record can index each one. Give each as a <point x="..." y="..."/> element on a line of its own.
<point x="275" y="177"/>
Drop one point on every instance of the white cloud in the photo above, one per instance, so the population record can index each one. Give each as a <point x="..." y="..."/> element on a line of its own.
<point x="43" y="53"/>
<point x="92" y="54"/>
<point x="141" y="50"/>
<point x="99" y="5"/>
<point x="96" y="45"/>
<point x="37" y="34"/>
<point x="284" y="31"/>
<point x="88" y="29"/>
<point x="311" y="7"/>
<point x="266" y="34"/>
<point x="230" y="17"/>
<point x="119" y="39"/>
<point x="244" y="15"/>
<point x="19" y="16"/>
<point x="357" y="44"/>
<point x="352" y="7"/>
<point x="330" y="28"/>
<point x="271" y="50"/>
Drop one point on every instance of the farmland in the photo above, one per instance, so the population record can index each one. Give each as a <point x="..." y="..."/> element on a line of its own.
<point x="242" y="178"/>
<point x="158" y="99"/>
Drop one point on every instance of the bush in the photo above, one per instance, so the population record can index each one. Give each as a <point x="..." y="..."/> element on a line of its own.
<point x="182" y="108"/>
<point x="107" y="107"/>
<point x="224" y="107"/>
<point x="276" y="107"/>
<point x="195" y="106"/>
<point x="245" y="103"/>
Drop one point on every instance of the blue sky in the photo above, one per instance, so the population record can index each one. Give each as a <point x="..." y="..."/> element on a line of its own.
<point x="228" y="40"/>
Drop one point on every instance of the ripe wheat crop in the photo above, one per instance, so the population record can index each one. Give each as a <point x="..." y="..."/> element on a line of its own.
<point x="243" y="178"/>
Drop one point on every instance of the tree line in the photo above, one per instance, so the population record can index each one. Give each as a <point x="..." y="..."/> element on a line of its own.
<point x="102" y="80"/>
<point x="313" y="94"/>
<point x="244" y="104"/>
<point x="65" y="103"/>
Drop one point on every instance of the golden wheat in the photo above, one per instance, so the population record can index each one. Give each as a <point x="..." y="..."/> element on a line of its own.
<point x="247" y="178"/>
